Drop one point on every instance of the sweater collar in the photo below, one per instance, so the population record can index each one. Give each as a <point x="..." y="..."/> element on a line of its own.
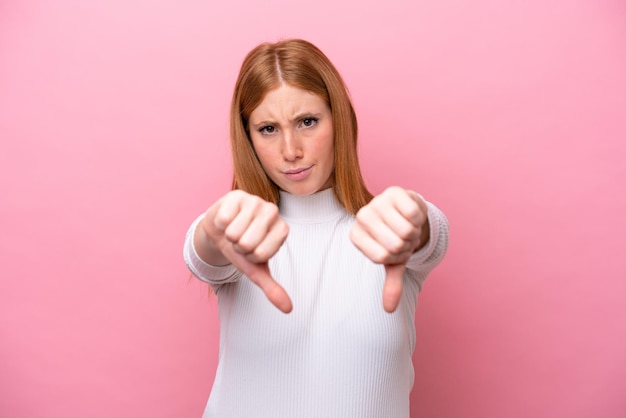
<point x="318" y="207"/>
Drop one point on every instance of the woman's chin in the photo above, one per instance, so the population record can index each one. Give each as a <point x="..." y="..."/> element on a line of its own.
<point x="304" y="191"/>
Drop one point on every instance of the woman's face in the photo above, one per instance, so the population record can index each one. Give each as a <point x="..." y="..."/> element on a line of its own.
<point x="292" y="134"/>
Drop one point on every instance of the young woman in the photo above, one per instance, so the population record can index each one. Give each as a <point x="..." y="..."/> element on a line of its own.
<point x="300" y="254"/>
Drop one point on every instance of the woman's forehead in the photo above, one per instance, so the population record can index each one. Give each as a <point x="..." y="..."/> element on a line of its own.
<point x="286" y="102"/>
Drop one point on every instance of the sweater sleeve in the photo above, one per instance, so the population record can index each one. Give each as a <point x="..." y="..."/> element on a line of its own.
<point x="214" y="275"/>
<point x="428" y="257"/>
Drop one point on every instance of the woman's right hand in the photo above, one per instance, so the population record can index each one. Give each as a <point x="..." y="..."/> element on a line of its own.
<point x="247" y="231"/>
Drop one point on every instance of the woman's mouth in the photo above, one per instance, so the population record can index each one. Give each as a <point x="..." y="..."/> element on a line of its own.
<point x="297" y="174"/>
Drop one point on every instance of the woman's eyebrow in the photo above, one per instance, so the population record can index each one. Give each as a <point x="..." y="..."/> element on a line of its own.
<point x="304" y="115"/>
<point x="260" y="123"/>
<point x="301" y="115"/>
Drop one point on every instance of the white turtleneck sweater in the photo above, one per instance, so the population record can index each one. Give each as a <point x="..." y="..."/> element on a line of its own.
<point x="338" y="354"/>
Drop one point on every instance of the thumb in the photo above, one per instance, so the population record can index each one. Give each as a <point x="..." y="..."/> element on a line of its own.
<point x="392" y="290"/>
<point x="260" y="275"/>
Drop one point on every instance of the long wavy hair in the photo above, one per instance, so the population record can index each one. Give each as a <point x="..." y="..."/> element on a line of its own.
<point x="300" y="64"/>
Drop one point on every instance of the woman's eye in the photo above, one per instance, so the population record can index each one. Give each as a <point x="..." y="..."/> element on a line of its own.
<point x="308" y="122"/>
<point x="267" y="130"/>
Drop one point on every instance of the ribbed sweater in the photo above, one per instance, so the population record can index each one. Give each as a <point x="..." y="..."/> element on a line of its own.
<point x="338" y="354"/>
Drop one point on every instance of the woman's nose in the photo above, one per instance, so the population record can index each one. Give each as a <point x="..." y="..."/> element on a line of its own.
<point x="292" y="148"/>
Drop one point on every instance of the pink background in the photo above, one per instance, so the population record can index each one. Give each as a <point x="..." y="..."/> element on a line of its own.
<point x="510" y="115"/>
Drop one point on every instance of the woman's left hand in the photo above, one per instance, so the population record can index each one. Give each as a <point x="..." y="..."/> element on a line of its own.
<point x="388" y="230"/>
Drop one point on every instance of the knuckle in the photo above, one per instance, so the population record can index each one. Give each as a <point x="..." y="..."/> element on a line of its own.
<point x="270" y="210"/>
<point x="353" y="234"/>
<point x="236" y="195"/>
<point x="252" y="201"/>
<point x="407" y="233"/>
<point x="363" y="215"/>
<point x="260" y="255"/>
<point x="221" y="220"/>
<point x="413" y="211"/>
<point x="393" y="190"/>
<point x="380" y="257"/>
<point x="396" y="247"/>
<point x="246" y="245"/>
<point x="283" y="230"/>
